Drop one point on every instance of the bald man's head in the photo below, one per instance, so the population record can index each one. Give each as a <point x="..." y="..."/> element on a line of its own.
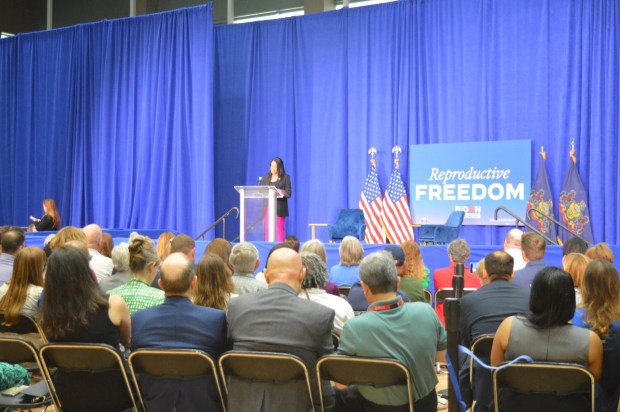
<point x="513" y="239"/>
<point x="177" y="274"/>
<point x="93" y="236"/>
<point x="284" y="266"/>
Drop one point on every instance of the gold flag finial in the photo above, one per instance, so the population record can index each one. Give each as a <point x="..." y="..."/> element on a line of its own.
<point x="372" y="152"/>
<point x="396" y="150"/>
<point x="543" y="153"/>
<point x="572" y="151"/>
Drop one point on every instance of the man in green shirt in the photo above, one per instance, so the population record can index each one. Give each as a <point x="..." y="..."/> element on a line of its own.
<point x="408" y="332"/>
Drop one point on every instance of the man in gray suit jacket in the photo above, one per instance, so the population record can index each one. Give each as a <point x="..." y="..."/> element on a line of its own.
<point x="276" y="320"/>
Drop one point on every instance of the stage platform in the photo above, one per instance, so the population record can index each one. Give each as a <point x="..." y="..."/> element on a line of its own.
<point x="434" y="256"/>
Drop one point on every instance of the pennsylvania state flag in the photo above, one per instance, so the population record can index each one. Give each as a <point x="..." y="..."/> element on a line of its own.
<point x="541" y="200"/>
<point x="573" y="204"/>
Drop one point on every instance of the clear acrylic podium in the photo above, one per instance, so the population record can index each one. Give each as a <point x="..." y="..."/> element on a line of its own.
<point x="255" y="204"/>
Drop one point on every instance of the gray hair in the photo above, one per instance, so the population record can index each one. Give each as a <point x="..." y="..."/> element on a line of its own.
<point x="120" y="257"/>
<point x="316" y="271"/>
<point x="378" y="272"/>
<point x="459" y="250"/>
<point x="315" y="246"/>
<point x="243" y="258"/>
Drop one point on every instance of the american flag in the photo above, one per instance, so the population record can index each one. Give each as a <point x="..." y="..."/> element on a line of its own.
<point x="370" y="203"/>
<point x="396" y="216"/>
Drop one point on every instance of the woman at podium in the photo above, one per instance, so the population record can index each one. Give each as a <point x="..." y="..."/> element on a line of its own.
<point x="277" y="177"/>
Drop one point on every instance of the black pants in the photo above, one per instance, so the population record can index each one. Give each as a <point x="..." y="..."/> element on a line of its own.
<point x="351" y="400"/>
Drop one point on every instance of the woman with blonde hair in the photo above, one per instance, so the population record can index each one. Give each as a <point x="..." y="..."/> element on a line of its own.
<point x="67" y="234"/>
<point x="600" y="294"/>
<point x="50" y="219"/>
<point x="163" y="245"/>
<point x="20" y="295"/>
<point x="575" y="264"/>
<point x="601" y="251"/>
<point x="215" y="286"/>
<point x="414" y="265"/>
<point x="347" y="271"/>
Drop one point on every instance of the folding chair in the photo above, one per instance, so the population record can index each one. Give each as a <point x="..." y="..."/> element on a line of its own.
<point x="264" y="367"/>
<point x="335" y="340"/>
<point x="344" y="291"/>
<point x="87" y="377"/>
<point x="481" y="347"/>
<point x="543" y="386"/>
<point x="429" y="296"/>
<point x="179" y="364"/>
<point x="351" y="370"/>
<point x="25" y="326"/>
<point x="16" y="350"/>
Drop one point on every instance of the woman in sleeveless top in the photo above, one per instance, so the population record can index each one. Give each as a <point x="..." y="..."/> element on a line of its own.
<point x="74" y="310"/>
<point x="545" y="334"/>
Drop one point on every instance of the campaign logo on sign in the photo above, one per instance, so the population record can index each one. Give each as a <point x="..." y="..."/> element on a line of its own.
<point x="474" y="178"/>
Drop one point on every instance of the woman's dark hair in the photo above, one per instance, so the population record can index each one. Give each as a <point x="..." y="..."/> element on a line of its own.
<point x="552" y="298"/>
<point x="71" y="294"/>
<point x="280" y="165"/>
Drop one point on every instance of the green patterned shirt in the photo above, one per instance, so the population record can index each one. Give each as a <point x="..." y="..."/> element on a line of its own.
<point x="139" y="295"/>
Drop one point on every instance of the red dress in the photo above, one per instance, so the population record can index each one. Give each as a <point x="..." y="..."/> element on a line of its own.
<point x="442" y="278"/>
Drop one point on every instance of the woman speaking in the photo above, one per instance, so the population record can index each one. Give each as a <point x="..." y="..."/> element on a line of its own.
<point x="277" y="177"/>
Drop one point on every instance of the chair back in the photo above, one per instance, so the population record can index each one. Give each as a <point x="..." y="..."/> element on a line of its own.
<point x="351" y="370"/>
<point x="444" y="293"/>
<point x="429" y="296"/>
<point x="16" y="350"/>
<point x="25" y="326"/>
<point x="455" y="219"/>
<point x="350" y="222"/>
<point x="87" y="377"/>
<point x="543" y="386"/>
<point x="264" y="367"/>
<point x="344" y="291"/>
<point x="174" y="363"/>
<point x="481" y="347"/>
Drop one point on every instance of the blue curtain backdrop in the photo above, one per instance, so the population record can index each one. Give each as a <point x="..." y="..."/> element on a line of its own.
<point x="319" y="90"/>
<point x="114" y="120"/>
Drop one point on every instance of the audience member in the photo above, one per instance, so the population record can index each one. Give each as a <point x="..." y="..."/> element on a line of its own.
<point x="601" y="251"/>
<point x="179" y="324"/>
<point x="293" y="242"/>
<point x="574" y="245"/>
<point x="21" y="294"/>
<point x="12" y="242"/>
<point x="408" y="284"/>
<point x="184" y="244"/>
<point x="215" y="286"/>
<point x="50" y="219"/>
<point x="143" y="263"/>
<point x="346" y="273"/>
<point x="163" y="245"/>
<point x="312" y="289"/>
<point x="74" y="310"/>
<point x="121" y="273"/>
<point x="575" y="264"/>
<point x="533" y="247"/>
<point x="458" y="252"/>
<point x="317" y="247"/>
<point x="107" y="244"/>
<point x="222" y="248"/>
<point x="244" y="260"/>
<point x="482" y="312"/>
<point x="600" y="293"/>
<point x="101" y="265"/>
<point x="512" y="246"/>
<point x="357" y="298"/>
<point x="414" y="265"/>
<point x="386" y="332"/>
<point x="608" y="396"/>
<point x="545" y="334"/>
<point x="67" y="234"/>
<point x="276" y="320"/>
<point x="480" y="271"/>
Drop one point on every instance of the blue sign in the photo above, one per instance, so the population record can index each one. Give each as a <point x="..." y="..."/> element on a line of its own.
<point x="474" y="178"/>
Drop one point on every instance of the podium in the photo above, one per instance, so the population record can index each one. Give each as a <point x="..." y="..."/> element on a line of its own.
<point x="255" y="204"/>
